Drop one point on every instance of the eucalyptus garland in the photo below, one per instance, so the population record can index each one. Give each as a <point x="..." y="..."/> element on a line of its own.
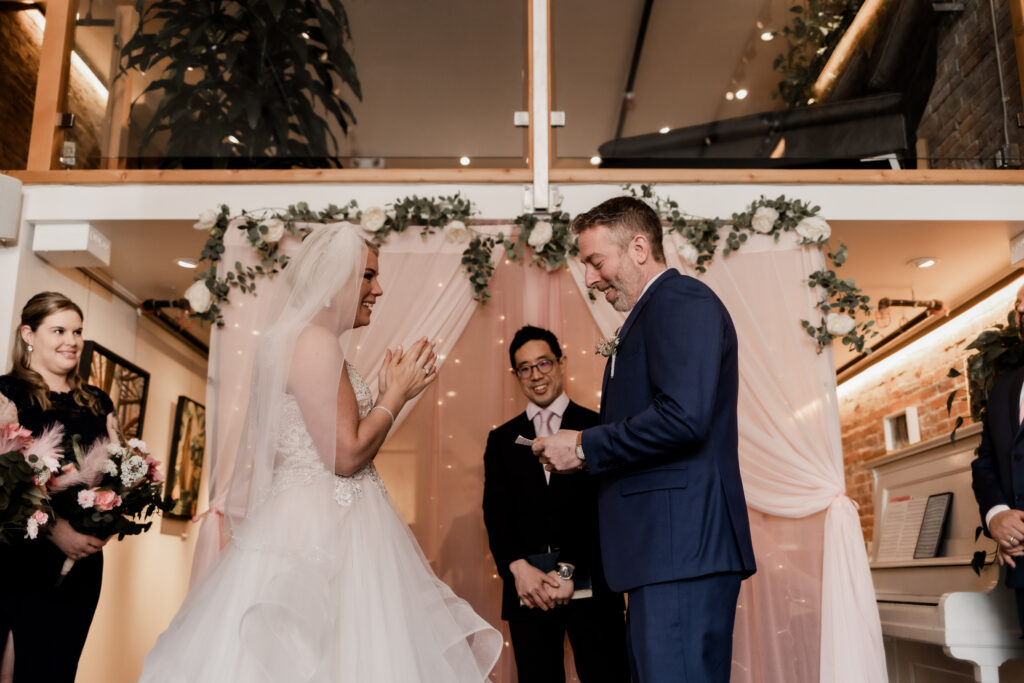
<point x="841" y="302"/>
<point x="547" y="237"/>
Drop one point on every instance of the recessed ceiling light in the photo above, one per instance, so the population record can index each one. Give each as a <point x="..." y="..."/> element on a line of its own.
<point x="730" y="95"/>
<point x="923" y="261"/>
<point x="741" y="94"/>
<point x="767" y="35"/>
<point x="464" y="161"/>
<point x="664" y="129"/>
<point x="595" y="160"/>
<point x="187" y="262"/>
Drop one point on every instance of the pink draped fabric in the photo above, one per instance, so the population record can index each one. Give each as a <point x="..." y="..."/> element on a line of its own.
<point x="808" y="613"/>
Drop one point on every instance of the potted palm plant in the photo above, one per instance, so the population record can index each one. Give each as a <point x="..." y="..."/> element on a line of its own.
<point x="243" y="84"/>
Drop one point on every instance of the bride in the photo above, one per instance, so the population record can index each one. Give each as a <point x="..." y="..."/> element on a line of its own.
<point x="322" y="580"/>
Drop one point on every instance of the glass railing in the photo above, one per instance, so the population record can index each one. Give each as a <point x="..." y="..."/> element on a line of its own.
<point x="837" y="84"/>
<point x="840" y="84"/>
<point x="325" y="85"/>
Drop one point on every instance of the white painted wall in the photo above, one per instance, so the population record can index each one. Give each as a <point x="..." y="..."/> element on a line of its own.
<point x="145" y="577"/>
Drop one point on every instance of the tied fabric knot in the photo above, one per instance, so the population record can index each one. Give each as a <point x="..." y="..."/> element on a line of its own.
<point x="202" y="515"/>
<point x="842" y="494"/>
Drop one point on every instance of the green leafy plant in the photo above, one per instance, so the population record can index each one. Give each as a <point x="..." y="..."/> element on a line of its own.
<point x="811" y="36"/>
<point x="998" y="350"/>
<point x="244" y="84"/>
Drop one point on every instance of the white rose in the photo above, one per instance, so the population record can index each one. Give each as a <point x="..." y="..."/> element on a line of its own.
<point x="275" y="230"/>
<point x="814" y="229"/>
<point x="540" y="235"/>
<point x="199" y="297"/>
<point x="838" y="324"/>
<point x="456" y="231"/>
<point x="764" y="219"/>
<point x="207" y="219"/>
<point x="373" y="219"/>
<point x="688" y="252"/>
<point x="138" y="444"/>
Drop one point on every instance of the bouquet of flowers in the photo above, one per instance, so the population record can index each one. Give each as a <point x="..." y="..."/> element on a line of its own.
<point x="27" y="466"/>
<point x="111" y="489"/>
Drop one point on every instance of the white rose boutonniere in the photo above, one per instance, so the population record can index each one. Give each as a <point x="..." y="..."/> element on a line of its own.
<point x="275" y="230"/>
<point x="764" y="219"/>
<point x="373" y="219"/>
<point x="607" y="346"/>
<point x="540" y="235"/>
<point x="688" y="252"/>
<point x="814" y="229"/>
<point x="207" y="219"/>
<point x="199" y="296"/>
<point x="839" y="324"/>
<point x="456" y="231"/>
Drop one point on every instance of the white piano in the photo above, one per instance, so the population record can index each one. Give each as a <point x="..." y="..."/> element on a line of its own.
<point x="940" y="621"/>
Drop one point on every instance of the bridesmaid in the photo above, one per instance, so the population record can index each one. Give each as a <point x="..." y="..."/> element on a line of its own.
<point x="48" y="624"/>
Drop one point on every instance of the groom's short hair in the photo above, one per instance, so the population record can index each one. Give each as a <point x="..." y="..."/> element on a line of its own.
<point x="625" y="217"/>
<point x="529" y="333"/>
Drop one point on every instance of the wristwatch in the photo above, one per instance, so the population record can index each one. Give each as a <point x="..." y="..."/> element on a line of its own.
<point x="565" y="571"/>
<point x="579" y="448"/>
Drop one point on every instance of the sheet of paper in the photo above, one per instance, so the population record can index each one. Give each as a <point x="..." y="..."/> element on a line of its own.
<point x="900" y="527"/>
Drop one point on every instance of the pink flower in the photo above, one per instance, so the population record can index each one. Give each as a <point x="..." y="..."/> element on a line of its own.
<point x="40" y="517"/>
<point x="87" y="498"/>
<point x="14" y="437"/>
<point x="154" y="470"/>
<point x="107" y="500"/>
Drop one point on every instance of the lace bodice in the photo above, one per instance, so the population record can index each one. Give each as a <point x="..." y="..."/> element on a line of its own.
<point x="300" y="464"/>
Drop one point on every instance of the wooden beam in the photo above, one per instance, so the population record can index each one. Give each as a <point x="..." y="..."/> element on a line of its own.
<point x="862" y="31"/>
<point x="52" y="84"/>
<point x="1017" y="18"/>
<point x="523" y="175"/>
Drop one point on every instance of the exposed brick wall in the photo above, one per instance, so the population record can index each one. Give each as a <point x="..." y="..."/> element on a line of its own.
<point x="963" y="123"/>
<point x="20" y="41"/>
<point x="915" y="376"/>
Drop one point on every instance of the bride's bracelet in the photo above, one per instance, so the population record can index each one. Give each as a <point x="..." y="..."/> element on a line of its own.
<point x="390" y="414"/>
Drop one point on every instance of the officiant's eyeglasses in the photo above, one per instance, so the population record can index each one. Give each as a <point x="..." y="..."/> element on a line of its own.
<point x="544" y="367"/>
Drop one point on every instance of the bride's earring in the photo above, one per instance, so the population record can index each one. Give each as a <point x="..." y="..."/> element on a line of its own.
<point x="30" y="349"/>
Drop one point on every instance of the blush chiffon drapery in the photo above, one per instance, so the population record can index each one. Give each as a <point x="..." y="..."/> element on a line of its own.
<point x="809" y="613"/>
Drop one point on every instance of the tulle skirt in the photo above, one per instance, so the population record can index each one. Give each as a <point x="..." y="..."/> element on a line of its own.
<point x="314" y="588"/>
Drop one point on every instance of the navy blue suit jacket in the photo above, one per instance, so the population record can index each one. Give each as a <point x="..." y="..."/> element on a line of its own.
<point x="998" y="471"/>
<point x="670" y="498"/>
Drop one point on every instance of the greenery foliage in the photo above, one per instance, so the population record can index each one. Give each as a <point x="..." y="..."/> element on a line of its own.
<point x="998" y="350"/>
<point x="811" y="36"/>
<point x="248" y="84"/>
<point x="548" y="239"/>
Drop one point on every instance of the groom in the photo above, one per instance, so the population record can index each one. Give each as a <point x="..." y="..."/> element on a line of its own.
<point x="671" y="510"/>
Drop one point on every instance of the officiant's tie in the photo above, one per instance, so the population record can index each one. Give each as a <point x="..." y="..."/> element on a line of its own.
<point x="544" y="425"/>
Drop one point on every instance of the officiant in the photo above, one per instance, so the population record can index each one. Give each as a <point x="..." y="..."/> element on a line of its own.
<point x="542" y="529"/>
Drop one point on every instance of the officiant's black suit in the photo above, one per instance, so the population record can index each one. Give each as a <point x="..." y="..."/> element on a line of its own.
<point x="525" y="516"/>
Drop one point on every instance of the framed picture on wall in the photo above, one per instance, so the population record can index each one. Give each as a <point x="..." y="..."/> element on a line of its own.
<point x="126" y="383"/>
<point x="185" y="467"/>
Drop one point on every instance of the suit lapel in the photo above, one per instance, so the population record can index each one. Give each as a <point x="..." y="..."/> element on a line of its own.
<point x="635" y="313"/>
<point x="1013" y="401"/>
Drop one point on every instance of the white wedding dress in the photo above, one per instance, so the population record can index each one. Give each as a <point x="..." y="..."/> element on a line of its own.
<point x="323" y="582"/>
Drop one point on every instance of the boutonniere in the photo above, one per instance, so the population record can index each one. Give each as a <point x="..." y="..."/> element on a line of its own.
<point x="607" y="346"/>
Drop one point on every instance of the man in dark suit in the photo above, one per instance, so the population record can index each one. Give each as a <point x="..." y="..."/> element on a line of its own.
<point x="998" y="472"/>
<point x="531" y="513"/>
<point x="671" y="509"/>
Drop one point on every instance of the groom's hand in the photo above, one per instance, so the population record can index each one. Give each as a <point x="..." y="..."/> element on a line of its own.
<point x="558" y="451"/>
